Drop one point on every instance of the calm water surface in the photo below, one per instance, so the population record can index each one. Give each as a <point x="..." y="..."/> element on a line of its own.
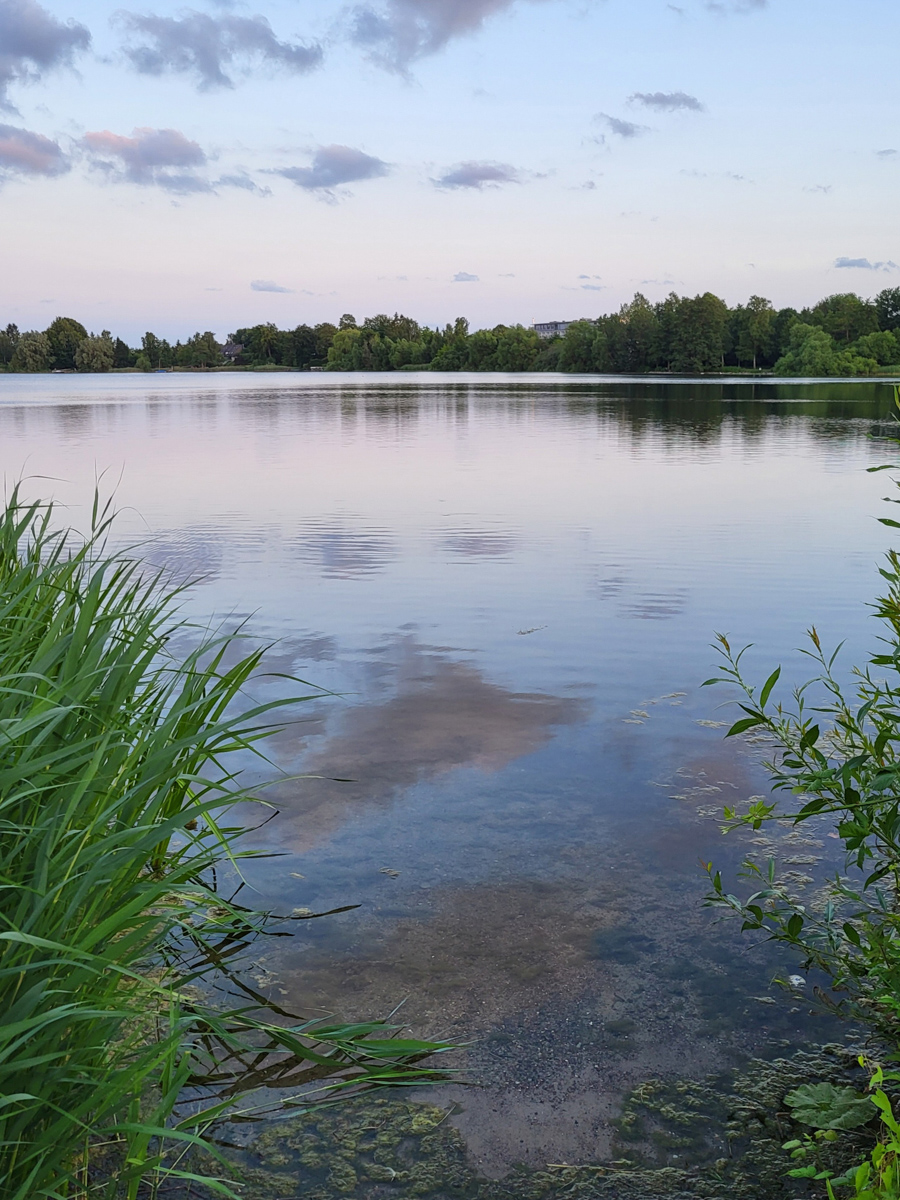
<point x="511" y="584"/>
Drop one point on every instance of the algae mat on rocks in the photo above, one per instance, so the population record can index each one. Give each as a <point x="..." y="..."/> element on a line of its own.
<point x="715" y="1139"/>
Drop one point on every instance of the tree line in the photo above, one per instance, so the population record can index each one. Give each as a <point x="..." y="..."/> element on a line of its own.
<point x="841" y="335"/>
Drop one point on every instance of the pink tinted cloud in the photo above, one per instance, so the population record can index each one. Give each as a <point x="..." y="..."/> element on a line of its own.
<point x="30" y="153"/>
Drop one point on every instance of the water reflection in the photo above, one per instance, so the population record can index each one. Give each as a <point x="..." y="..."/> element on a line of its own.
<point x="480" y="543"/>
<point x="189" y="554"/>
<point x="431" y="714"/>
<point x="506" y="588"/>
<point x="342" y="549"/>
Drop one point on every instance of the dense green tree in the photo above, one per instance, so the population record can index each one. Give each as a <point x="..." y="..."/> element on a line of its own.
<point x="887" y="308"/>
<point x="638" y="341"/>
<point x="845" y="316"/>
<point x="123" y="356"/>
<point x="785" y="320"/>
<point x="583" y="349"/>
<point x="411" y="354"/>
<point x="9" y="339"/>
<point x="482" y="347"/>
<point x="266" y="341"/>
<point x="33" y="352"/>
<point x="345" y="353"/>
<point x="396" y="327"/>
<point x="882" y="346"/>
<point x="517" y="348"/>
<point x="301" y="351"/>
<point x="812" y="352"/>
<point x="152" y="350"/>
<point x="452" y="353"/>
<point x="666" y="320"/>
<point x="752" y="330"/>
<point x="324" y="332"/>
<point x="548" y="359"/>
<point x="65" y="335"/>
<point x="205" y="351"/>
<point x="96" y="353"/>
<point x="699" y="334"/>
<point x="691" y="334"/>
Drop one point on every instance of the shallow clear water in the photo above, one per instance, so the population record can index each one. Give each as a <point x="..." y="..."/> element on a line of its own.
<point x="511" y="584"/>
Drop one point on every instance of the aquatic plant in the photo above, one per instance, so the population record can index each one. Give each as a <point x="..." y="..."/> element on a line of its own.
<point x="847" y="770"/>
<point x="116" y="786"/>
<point x="836" y="752"/>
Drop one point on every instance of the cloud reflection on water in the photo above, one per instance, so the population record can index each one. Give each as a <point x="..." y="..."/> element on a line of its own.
<point x="439" y="714"/>
<point x="340" y="549"/>
<point x="480" y="543"/>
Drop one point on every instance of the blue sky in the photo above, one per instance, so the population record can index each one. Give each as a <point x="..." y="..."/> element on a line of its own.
<point x="204" y="168"/>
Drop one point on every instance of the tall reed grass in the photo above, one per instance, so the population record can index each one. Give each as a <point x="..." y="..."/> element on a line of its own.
<point x="115" y="788"/>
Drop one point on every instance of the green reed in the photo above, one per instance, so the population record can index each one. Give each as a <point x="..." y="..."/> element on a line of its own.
<point x="115" y="790"/>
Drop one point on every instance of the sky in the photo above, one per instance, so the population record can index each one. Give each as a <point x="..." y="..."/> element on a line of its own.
<point x="189" y="168"/>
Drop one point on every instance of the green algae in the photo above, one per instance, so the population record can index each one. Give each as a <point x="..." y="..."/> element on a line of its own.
<point x="719" y="1138"/>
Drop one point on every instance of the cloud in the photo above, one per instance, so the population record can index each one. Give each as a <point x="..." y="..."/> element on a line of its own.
<point x="146" y="156"/>
<point x="593" y="287"/>
<point x="25" y="153"/>
<point x="243" y="181"/>
<point x="732" y="175"/>
<point x="33" y="41"/>
<point x="478" y="175"/>
<point x="667" y="101"/>
<point x="405" y="30"/>
<point x="266" y="285"/>
<point x="333" y="166"/>
<point x="863" y="264"/>
<point x="465" y="277"/>
<point x="622" y="129"/>
<point x="737" y="6"/>
<point x="885" y="153"/>
<point x="209" y="47"/>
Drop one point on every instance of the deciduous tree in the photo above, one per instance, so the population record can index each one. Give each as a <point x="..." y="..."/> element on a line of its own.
<point x="96" y="353"/>
<point x="65" y="335"/>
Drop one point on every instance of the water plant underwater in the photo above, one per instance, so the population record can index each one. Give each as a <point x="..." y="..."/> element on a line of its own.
<point x="836" y="753"/>
<point x="120" y="1042"/>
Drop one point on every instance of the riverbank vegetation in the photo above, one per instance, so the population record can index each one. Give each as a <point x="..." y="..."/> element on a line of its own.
<point x="835" y="756"/>
<point x="841" y="335"/>
<point x="117" y="927"/>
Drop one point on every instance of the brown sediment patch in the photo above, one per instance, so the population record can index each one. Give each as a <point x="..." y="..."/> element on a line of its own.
<point x="442" y="714"/>
<point x="570" y="993"/>
<point x="473" y="957"/>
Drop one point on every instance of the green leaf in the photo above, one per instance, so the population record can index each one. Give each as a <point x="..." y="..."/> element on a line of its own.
<point x="767" y="687"/>
<point x="824" y="1106"/>
<point x="795" y="925"/>
<point x="744" y="724"/>
<point x="810" y="737"/>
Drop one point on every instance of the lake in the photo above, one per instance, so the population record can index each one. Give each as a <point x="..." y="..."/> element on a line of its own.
<point x="507" y="587"/>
